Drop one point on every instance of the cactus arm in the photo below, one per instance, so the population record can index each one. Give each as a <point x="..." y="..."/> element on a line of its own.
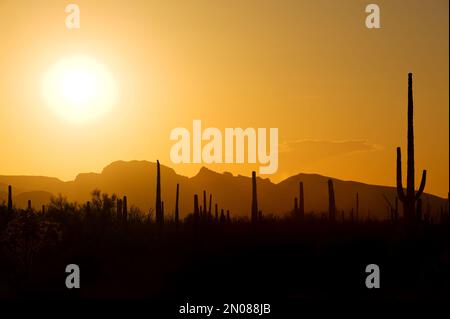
<point x="401" y="194"/>
<point x="422" y="184"/>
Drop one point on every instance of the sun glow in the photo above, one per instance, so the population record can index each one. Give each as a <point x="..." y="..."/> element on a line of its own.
<point x="79" y="89"/>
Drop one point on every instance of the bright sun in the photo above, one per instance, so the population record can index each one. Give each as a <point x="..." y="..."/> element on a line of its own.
<point x="79" y="89"/>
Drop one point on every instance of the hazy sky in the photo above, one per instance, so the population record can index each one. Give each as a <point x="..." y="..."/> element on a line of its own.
<point x="335" y="89"/>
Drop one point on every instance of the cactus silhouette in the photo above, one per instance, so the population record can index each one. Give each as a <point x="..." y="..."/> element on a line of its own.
<point x="10" y="202"/>
<point x="29" y="205"/>
<point x="254" y="199"/>
<point x="410" y="197"/>
<point x="119" y="209"/>
<point x="204" y="204"/>
<point x="216" y="213"/>
<point x="176" y="205"/>
<point x="301" y="202"/>
<point x="396" y="209"/>
<point x="427" y="216"/>
<point x="419" y="209"/>
<point x="124" y="209"/>
<point x="158" y="208"/>
<point x="196" y="209"/>
<point x="209" y="209"/>
<point x="357" y="206"/>
<point x="331" y="202"/>
<point x="222" y="216"/>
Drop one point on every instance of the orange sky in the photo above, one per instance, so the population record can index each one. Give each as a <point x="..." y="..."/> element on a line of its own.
<point x="335" y="89"/>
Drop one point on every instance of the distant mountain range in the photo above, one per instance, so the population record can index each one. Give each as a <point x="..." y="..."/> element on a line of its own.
<point x="137" y="180"/>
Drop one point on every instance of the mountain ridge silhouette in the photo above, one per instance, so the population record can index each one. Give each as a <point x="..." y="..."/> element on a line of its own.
<point x="137" y="180"/>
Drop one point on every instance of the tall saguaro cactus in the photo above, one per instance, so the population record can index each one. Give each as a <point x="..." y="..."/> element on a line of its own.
<point x="396" y="209"/>
<point x="10" y="203"/>
<point x="419" y="209"/>
<point x="204" y="204"/>
<point x="119" y="209"/>
<point x="357" y="206"/>
<point x="196" y="209"/>
<point x="124" y="209"/>
<point x="158" y="208"/>
<point x="209" y="209"/>
<point x="331" y="202"/>
<point x="301" y="202"/>
<point x="254" y="199"/>
<point x="410" y="197"/>
<point x="177" y="216"/>
<point x="222" y="219"/>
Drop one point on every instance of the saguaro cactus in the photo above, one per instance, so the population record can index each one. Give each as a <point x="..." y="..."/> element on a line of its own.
<point x="331" y="202"/>
<point x="254" y="199"/>
<point x="427" y="216"/>
<point x="176" y="205"/>
<point x="216" y="213"/>
<point x="396" y="209"/>
<point x="301" y="202"/>
<point x="410" y="197"/>
<point x="158" y="208"/>
<point x="196" y="209"/>
<point x="222" y="216"/>
<point x="124" y="208"/>
<point x="29" y="205"/>
<point x="419" y="209"/>
<point x="443" y="216"/>
<point x="10" y="202"/>
<point x="204" y="204"/>
<point x="209" y="209"/>
<point x="119" y="209"/>
<point x="357" y="206"/>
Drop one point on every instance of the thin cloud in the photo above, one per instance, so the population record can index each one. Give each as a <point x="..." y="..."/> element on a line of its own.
<point x="312" y="150"/>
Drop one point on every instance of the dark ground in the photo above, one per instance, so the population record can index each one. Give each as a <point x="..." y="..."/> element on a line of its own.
<point x="275" y="261"/>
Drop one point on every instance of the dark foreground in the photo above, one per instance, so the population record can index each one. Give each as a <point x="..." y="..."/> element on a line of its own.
<point x="228" y="262"/>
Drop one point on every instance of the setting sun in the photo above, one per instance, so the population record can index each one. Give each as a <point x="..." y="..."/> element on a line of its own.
<point x="79" y="89"/>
